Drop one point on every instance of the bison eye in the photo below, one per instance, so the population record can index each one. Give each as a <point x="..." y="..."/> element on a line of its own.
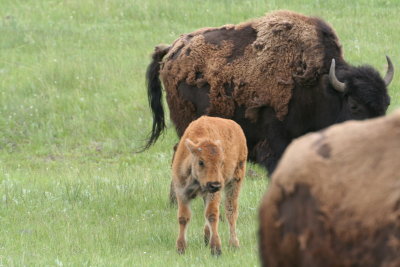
<point x="201" y="163"/>
<point x="354" y="106"/>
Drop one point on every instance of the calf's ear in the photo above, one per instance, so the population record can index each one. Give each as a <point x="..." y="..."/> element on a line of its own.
<point x="191" y="146"/>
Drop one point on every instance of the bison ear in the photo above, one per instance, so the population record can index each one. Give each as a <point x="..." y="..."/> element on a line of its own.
<point x="190" y="145"/>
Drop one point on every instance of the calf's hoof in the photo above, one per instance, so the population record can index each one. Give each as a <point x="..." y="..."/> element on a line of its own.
<point x="215" y="251"/>
<point x="180" y="247"/>
<point x="234" y="243"/>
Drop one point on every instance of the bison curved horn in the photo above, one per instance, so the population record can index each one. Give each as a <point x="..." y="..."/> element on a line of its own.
<point x="390" y="72"/>
<point x="338" y="85"/>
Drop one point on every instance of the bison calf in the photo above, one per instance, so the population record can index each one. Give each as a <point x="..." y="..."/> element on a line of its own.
<point x="334" y="199"/>
<point x="210" y="156"/>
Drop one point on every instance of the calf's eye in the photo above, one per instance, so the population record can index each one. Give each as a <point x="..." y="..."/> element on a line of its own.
<point x="201" y="163"/>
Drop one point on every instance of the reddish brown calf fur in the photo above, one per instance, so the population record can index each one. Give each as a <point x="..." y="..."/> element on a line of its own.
<point x="334" y="199"/>
<point x="210" y="156"/>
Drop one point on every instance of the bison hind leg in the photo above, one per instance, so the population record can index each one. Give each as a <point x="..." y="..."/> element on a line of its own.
<point x="172" y="195"/>
<point x="206" y="234"/>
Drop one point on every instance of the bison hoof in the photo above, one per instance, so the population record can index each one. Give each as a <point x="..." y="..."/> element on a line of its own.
<point x="234" y="243"/>
<point x="180" y="247"/>
<point x="216" y="251"/>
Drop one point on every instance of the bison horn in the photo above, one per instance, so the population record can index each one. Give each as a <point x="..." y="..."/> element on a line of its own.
<point x="338" y="85"/>
<point x="390" y="72"/>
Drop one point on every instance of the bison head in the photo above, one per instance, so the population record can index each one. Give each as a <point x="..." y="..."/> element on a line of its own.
<point x="207" y="163"/>
<point x="363" y="91"/>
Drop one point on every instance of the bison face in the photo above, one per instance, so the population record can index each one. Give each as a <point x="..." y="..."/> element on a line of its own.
<point x="363" y="91"/>
<point x="207" y="164"/>
<point x="355" y="109"/>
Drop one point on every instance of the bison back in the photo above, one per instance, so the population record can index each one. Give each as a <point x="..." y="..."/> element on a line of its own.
<point x="334" y="199"/>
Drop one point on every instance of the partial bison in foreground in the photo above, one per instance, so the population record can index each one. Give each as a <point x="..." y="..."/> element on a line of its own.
<point x="275" y="76"/>
<point x="210" y="157"/>
<point x="334" y="199"/>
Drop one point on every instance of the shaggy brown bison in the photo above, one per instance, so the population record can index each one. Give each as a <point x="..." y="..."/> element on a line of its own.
<point x="273" y="75"/>
<point x="334" y="199"/>
<point x="210" y="156"/>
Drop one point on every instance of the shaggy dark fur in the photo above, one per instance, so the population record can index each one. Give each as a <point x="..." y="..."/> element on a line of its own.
<point x="334" y="199"/>
<point x="270" y="75"/>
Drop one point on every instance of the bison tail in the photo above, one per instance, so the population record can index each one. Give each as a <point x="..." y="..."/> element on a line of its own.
<point x="154" y="93"/>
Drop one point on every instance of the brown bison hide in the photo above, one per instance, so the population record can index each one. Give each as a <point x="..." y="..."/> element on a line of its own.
<point x="334" y="199"/>
<point x="253" y="64"/>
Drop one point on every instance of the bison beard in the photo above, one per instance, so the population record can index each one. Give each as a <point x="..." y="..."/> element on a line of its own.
<point x="271" y="75"/>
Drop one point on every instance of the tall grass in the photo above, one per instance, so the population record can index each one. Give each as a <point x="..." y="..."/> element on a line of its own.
<point x="73" y="109"/>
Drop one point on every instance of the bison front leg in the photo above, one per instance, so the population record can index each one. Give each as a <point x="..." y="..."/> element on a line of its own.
<point x="212" y="218"/>
<point x="207" y="232"/>
<point x="231" y="209"/>
<point x="184" y="215"/>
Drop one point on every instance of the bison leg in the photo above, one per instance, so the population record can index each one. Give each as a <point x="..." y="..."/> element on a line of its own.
<point x="268" y="155"/>
<point x="231" y="209"/>
<point x="207" y="234"/>
<point x="212" y="218"/>
<point x="172" y="195"/>
<point x="207" y="231"/>
<point x="184" y="215"/>
<point x="231" y="205"/>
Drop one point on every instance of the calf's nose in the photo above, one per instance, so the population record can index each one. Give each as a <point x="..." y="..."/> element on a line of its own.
<point x="213" y="186"/>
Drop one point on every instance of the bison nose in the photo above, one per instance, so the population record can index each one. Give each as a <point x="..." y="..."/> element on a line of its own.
<point x="213" y="186"/>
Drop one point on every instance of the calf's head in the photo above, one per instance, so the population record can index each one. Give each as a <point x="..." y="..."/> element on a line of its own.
<point x="207" y="159"/>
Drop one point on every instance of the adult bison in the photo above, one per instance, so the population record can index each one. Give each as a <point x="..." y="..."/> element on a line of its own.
<point x="334" y="199"/>
<point x="275" y="76"/>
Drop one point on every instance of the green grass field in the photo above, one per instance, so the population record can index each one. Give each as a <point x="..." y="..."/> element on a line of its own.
<point x="73" y="109"/>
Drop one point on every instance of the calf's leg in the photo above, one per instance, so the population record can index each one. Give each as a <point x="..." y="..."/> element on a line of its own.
<point x="184" y="215"/>
<point x="212" y="217"/>
<point x="172" y="194"/>
<point x="231" y="209"/>
<point x="207" y="232"/>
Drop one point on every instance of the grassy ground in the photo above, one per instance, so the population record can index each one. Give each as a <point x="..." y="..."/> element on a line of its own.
<point x="73" y="109"/>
